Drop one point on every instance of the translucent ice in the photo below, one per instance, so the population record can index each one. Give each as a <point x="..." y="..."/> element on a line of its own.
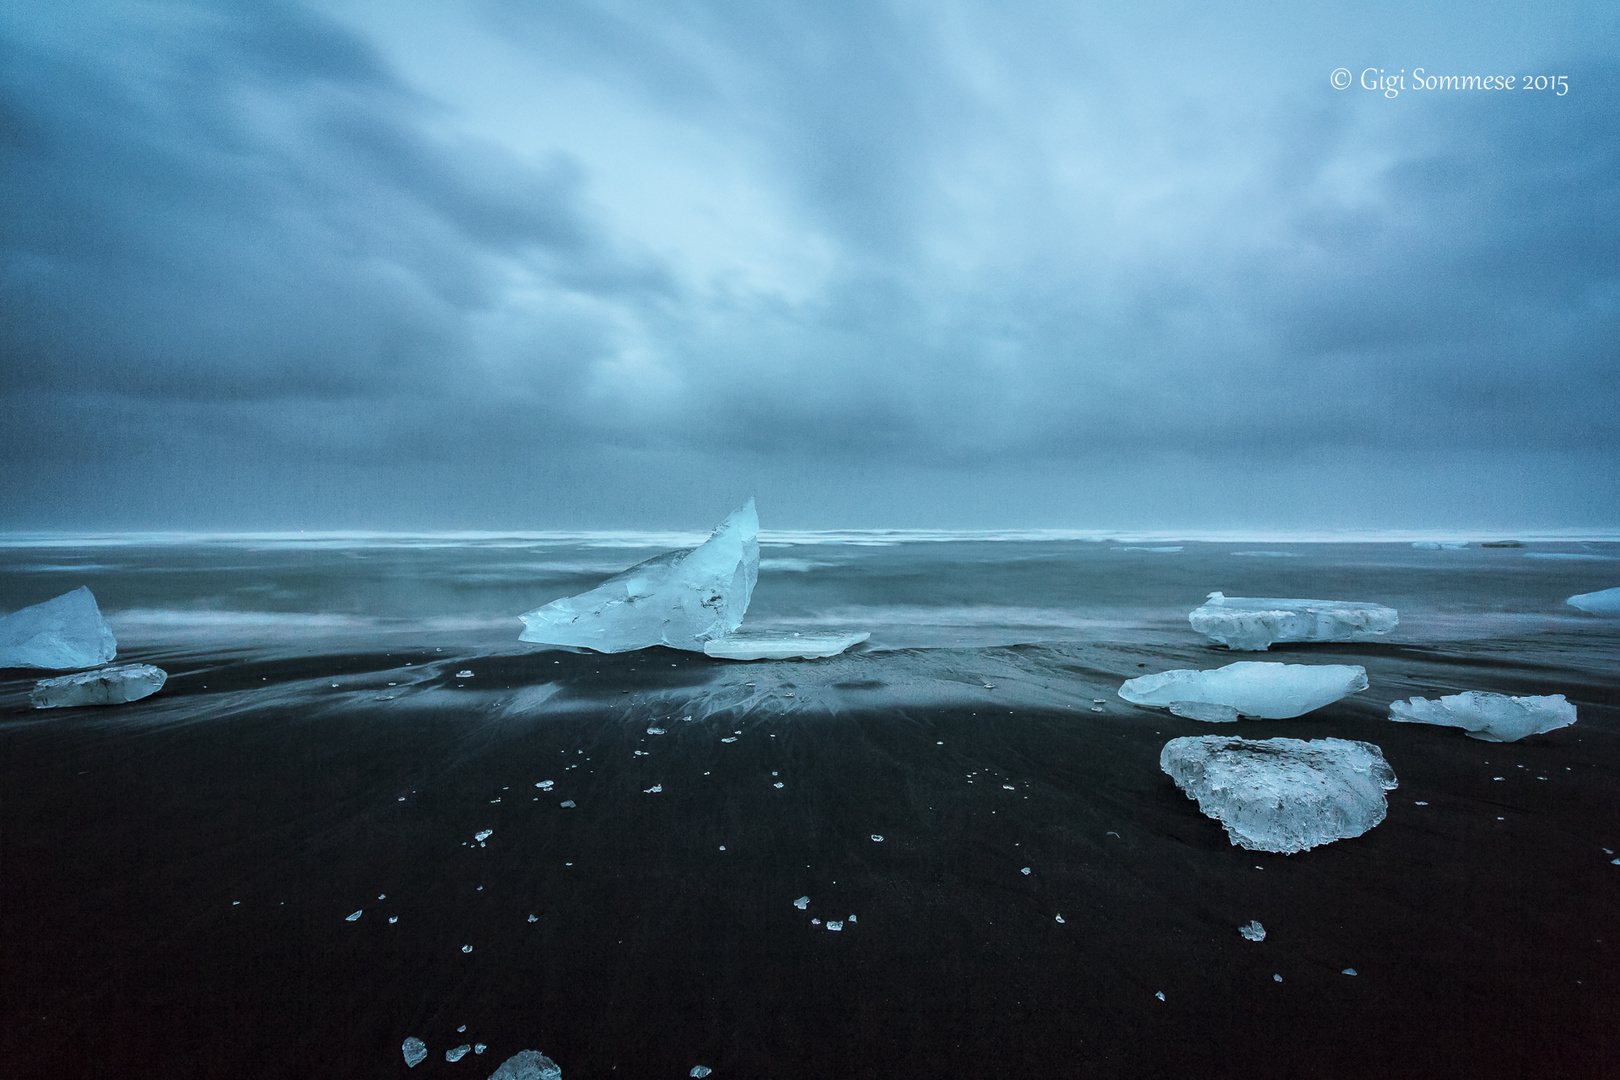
<point x="681" y="598"/>
<point x="1250" y="624"/>
<point x="414" y="1050"/>
<point x="1253" y="931"/>
<point x="1490" y="717"/>
<point x="103" y="686"/>
<point x="527" y="1065"/>
<point x="458" y="1052"/>
<point x="1250" y="688"/>
<point x="1284" y="795"/>
<point x="1602" y="602"/>
<point x="59" y="635"/>
<point x="774" y="645"/>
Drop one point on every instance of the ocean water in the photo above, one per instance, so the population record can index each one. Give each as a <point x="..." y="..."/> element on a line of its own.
<point x="346" y="714"/>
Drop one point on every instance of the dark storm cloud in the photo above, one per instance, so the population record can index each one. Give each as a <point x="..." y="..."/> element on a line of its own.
<point x="253" y="243"/>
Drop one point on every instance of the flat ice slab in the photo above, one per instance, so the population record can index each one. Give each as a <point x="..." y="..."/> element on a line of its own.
<point x="59" y="635"/>
<point x="1602" y="602"/>
<point x="1251" y="623"/>
<point x="1283" y="795"/>
<point x="1248" y="688"/>
<point x="1489" y="717"/>
<point x="527" y="1065"/>
<point x="776" y="645"/>
<point x="680" y="599"/>
<point x="103" y="686"/>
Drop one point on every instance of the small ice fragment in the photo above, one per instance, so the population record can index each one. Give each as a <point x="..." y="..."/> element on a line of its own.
<point x="1099" y="701"/>
<point x="393" y="919"/>
<point x="1488" y="717"/>
<point x="1160" y="995"/>
<point x="686" y="719"/>
<point x="1059" y="918"/>
<point x="567" y="804"/>
<point x="402" y="798"/>
<point x="877" y="838"/>
<point x="655" y="789"/>
<point x="236" y="903"/>
<point x="1253" y="623"/>
<point x="485" y="835"/>
<point x="729" y="738"/>
<point x="722" y="846"/>
<point x="834" y="924"/>
<point x="815" y="922"/>
<point x="60" y="634"/>
<point x="356" y="915"/>
<point x="802" y="902"/>
<point x="655" y="731"/>
<point x="1602" y="602"/>
<point x="103" y="686"/>
<point x="1008" y="787"/>
<point x="545" y="785"/>
<point x="700" y="1070"/>
<point x="457" y="1053"/>
<point x="850" y="919"/>
<point x="1419" y="802"/>
<point x="1096" y="708"/>
<point x="466" y="948"/>
<point x="1276" y="978"/>
<point x="1284" y="795"/>
<point x="461" y="1029"/>
<point x="682" y="599"/>
<point x="527" y="1065"/>
<point x="1268" y="690"/>
<point x="1348" y="971"/>
<point x="1024" y="871"/>
<point x="774" y="645"/>
<point x="534" y="918"/>
<point x="479" y="1048"/>
<point x="777" y="784"/>
<point x="464" y="674"/>
<point x="1254" y="931"/>
<point x="989" y="686"/>
<point x="414" y="1050"/>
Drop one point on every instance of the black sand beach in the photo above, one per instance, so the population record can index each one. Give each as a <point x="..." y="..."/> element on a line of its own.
<point x="178" y="874"/>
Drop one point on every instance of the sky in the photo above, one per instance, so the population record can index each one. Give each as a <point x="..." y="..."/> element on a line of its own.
<point x="386" y="264"/>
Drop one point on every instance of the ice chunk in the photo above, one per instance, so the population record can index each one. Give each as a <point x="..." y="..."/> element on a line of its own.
<point x="1602" y="602"/>
<point x="1251" y="688"/>
<point x="835" y="924"/>
<point x="1490" y="717"/>
<point x="774" y="645"/>
<point x="355" y="916"/>
<point x="1250" y="624"/>
<point x="700" y="1071"/>
<point x="483" y="834"/>
<point x="414" y="1050"/>
<point x="59" y="635"/>
<point x="103" y="686"/>
<point x="1254" y="931"/>
<point x="680" y="599"/>
<point x="1284" y="795"/>
<point x="527" y="1065"/>
<point x="802" y="902"/>
<point x="458" y="1052"/>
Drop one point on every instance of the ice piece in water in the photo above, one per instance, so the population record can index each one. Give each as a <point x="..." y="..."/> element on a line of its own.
<point x="680" y="599"/>
<point x="103" y="686"/>
<point x="1602" y="602"/>
<point x="1270" y="691"/>
<point x="1254" y="931"/>
<point x="1283" y="795"/>
<point x="1490" y="717"/>
<point x="59" y="635"/>
<point x="1249" y="624"/>
<point x="527" y="1065"/>
<point x="414" y="1050"/>
<point x="779" y="645"/>
<point x="458" y="1052"/>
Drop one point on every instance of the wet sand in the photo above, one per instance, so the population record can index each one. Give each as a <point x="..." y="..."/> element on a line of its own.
<point x="177" y="875"/>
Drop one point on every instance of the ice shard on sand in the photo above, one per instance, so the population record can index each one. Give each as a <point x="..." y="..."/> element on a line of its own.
<point x="1283" y="795"/>
<point x="1488" y="717"/>
<point x="781" y="645"/>
<point x="103" y="686"/>
<point x="61" y="634"/>
<point x="1250" y="623"/>
<point x="681" y="599"/>
<point x="1247" y="688"/>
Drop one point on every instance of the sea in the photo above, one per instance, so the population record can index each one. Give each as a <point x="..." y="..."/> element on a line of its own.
<point x="361" y="812"/>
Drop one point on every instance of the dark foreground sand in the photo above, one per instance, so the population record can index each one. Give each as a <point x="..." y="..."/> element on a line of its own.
<point x="177" y="874"/>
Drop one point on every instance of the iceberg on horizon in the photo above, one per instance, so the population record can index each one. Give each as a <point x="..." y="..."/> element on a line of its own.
<point x="1603" y="602"/>
<point x="1251" y="623"/>
<point x="1268" y="691"/>
<point x="1282" y="795"/>
<point x="103" y="686"/>
<point x="1488" y="717"/>
<point x="680" y="599"/>
<point x="60" y="634"/>
<point x="780" y="645"/>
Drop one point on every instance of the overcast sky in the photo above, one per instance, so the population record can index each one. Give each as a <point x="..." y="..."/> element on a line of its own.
<point x="548" y="264"/>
